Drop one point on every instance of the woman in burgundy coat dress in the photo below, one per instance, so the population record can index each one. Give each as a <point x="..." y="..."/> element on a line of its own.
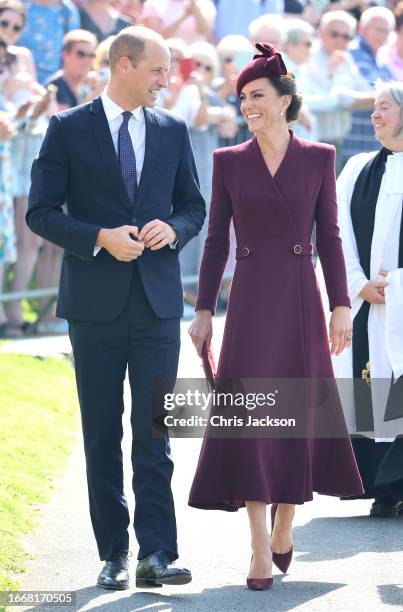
<point x="274" y="186"/>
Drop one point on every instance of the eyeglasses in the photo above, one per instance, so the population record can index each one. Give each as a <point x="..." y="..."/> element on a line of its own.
<point x="83" y="54"/>
<point x="4" y="23"/>
<point x="205" y="66"/>
<point x="334" y="34"/>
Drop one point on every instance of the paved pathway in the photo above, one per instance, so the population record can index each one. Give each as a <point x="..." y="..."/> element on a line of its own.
<point x="344" y="560"/>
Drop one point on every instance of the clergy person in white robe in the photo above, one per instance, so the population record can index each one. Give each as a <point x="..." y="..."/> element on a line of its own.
<point x="370" y="371"/>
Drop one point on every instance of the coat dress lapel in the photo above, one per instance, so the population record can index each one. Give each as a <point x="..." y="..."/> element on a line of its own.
<point x="281" y="182"/>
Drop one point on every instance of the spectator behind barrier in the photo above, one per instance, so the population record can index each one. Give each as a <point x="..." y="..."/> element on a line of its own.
<point x="48" y="21"/>
<point x="375" y="26"/>
<point x="269" y="28"/>
<point x="102" y="19"/>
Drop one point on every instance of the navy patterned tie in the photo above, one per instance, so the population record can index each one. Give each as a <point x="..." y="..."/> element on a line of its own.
<point x="127" y="158"/>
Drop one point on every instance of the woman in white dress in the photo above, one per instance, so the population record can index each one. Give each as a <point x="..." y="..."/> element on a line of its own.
<point x="370" y="372"/>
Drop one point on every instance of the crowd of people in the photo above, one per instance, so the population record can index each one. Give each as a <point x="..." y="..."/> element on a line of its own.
<point x="127" y="174"/>
<point x="54" y="56"/>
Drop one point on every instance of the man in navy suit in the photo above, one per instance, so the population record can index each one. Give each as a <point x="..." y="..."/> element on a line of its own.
<point x="128" y="178"/>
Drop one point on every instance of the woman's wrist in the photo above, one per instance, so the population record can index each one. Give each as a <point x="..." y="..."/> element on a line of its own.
<point x="204" y="312"/>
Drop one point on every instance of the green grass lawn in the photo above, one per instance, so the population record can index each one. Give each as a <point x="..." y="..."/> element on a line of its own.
<point x="39" y="420"/>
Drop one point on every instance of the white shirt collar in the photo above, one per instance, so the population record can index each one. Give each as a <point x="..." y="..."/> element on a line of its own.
<point x="113" y="110"/>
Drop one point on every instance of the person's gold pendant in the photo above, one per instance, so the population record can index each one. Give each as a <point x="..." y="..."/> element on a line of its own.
<point x="366" y="373"/>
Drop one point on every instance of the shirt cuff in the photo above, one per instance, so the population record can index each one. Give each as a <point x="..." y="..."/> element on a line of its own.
<point x="96" y="250"/>
<point x="174" y="244"/>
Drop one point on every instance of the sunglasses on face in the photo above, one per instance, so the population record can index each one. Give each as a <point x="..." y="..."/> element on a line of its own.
<point x="83" y="54"/>
<point x="205" y="66"/>
<point x="334" y="34"/>
<point x="6" y="24"/>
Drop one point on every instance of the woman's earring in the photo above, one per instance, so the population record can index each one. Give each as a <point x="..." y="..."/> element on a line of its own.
<point x="281" y="112"/>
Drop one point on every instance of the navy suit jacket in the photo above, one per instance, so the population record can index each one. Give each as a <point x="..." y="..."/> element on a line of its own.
<point x="78" y="165"/>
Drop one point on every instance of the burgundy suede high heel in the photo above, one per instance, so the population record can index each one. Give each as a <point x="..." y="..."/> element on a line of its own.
<point x="259" y="584"/>
<point x="281" y="560"/>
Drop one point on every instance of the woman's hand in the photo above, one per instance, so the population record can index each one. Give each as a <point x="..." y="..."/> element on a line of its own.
<point x="340" y="329"/>
<point x="201" y="329"/>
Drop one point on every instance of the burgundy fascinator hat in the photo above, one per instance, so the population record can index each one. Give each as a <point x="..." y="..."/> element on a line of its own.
<point x="267" y="63"/>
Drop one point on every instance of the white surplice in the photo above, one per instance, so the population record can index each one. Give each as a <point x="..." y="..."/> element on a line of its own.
<point x="385" y="321"/>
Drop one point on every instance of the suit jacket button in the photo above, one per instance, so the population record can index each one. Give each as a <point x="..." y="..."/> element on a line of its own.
<point x="245" y="251"/>
<point x="133" y="219"/>
<point x="297" y="249"/>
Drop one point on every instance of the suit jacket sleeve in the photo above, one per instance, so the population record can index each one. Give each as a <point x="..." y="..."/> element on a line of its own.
<point x="188" y="206"/>
<point x="328" y="241"/>
<point x="49" y="188"/>
<point x="216" y="248"/>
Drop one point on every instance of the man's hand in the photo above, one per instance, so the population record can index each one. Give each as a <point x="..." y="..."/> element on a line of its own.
<point x="373" y="292"/>
<point x="157" y="234"/>
<point x="119" y="242"/>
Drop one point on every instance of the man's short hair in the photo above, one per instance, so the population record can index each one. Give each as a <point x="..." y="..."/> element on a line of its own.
<point x="131" y="42"/>
<point x="271" y="22"/>
<point x="297" y="29"/>
<point x="343" y="16"/>
<point x="75" y="37"/>
<point x="377" y="11"/>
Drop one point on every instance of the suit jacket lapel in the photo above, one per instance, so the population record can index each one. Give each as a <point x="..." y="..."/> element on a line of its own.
<point x="104" y="140"/>
<point x="153" y="135"/>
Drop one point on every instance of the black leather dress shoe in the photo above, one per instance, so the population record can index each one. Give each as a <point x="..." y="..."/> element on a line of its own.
<point x="115" y="574"/>
<point x="386" y="507"/>
<point x="153" y="571"/>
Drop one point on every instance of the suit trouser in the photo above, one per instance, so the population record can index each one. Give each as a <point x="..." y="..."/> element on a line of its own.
<point x="148" y="347"/>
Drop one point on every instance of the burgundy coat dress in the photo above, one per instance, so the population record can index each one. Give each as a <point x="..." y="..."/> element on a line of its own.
<point x="275" y="325"/>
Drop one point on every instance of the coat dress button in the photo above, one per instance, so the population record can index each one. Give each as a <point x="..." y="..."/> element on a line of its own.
<point x="245" y="251"/>
<point x="297" y="249"/>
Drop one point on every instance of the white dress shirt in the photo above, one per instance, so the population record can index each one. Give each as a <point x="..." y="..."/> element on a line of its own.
<point x="137" y="131"/>
<point x="137" y="128"/>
